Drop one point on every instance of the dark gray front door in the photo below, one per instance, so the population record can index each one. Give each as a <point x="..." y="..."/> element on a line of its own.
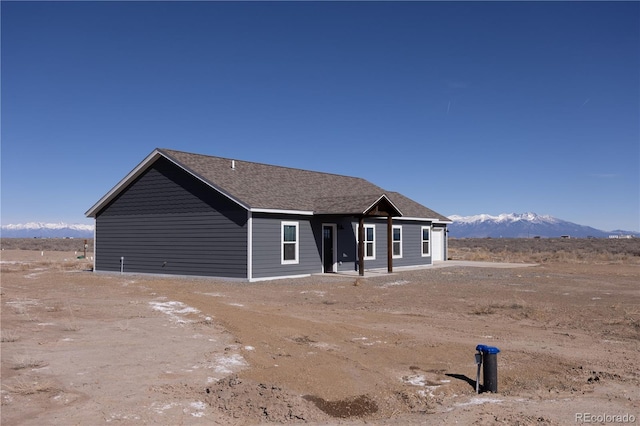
<point x="327" y="248"/>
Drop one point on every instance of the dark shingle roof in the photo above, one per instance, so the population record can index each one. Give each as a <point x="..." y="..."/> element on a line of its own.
<point x="267" y="187"/>
<point x="263" y="186"/>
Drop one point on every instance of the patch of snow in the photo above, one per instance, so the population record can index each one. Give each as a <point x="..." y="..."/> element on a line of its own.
<point x="200" y="406"/>
<point x="174" y="310"/>
<point x="325" y="346"/>
<point x="421" y="381"/>
<point x="23" y="302"/>
<point x="33" y="274"/>
<point x="161" y="408"/>
<point x="214" y="294"/>
<point x="427" y="391"/>
<point x="249" y="348"/>
<point x="394" y="283"/>
<point x="479" y="401"/>
<point x="417" y="380"/>
<point x="316" y="292"/>
<point x="120" y="417"/>
<point x="224" y="364"/>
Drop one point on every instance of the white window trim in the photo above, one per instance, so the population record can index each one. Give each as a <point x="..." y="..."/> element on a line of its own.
<point x="297" y="243"/>
<point x="396" y="256"/>
<point x="373" y="243"/>
<point x="422" y="241"/>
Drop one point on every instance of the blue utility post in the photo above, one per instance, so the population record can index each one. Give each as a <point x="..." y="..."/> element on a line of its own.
<point x="489" y="363"/>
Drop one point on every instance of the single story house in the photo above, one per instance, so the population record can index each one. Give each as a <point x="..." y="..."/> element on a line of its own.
<point x="189" y="214"/>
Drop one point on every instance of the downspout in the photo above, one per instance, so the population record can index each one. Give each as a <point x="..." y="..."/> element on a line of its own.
<point x="446" y="242"/>
<point x="389" y="244"/>
<point x="95" y="241"/>
<point x="361" y="246"/>
<point x="249" y="246"/>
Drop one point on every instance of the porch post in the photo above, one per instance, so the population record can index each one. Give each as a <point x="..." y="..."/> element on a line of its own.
<point x="389" y="244"/>
<point x="361" y="246"/>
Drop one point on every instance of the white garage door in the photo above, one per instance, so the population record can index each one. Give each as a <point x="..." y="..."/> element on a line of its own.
<point x="437" y="244"/>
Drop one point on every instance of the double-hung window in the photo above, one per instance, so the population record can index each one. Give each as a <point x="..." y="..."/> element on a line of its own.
<point x="369" y="242"/>
<point x="426" y="233"/>
<point x="289" y="244"/>
<point x="397" y="241"/>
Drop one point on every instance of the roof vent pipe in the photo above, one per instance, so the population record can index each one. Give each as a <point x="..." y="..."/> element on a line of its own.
<point x="233" y="164"/>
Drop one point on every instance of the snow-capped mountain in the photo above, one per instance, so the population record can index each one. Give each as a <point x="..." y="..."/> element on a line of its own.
<point x="46" y="230"/>
<point x="524" y="225"/>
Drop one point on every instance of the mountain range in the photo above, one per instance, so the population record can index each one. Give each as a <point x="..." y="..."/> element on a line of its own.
<point x="511" y="225"/>
<point x="46" y="230"/>
<point x="523" y="225"/>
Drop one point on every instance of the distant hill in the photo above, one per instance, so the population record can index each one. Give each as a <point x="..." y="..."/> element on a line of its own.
<point x="46" y="230"/>
<point x="524" y="225"/>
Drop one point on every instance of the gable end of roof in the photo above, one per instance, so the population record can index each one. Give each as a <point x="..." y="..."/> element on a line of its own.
<point x="140" y="169"/>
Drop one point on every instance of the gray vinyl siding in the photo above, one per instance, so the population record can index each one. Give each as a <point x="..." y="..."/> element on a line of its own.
<point x="168" y="222"/>
<point x="267" y="250"/>
<point x="411" y="245"/>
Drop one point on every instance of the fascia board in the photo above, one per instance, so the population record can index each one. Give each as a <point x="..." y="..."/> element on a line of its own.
<point x="299" y="212"/>
<point x="421" y="219"/>
<point x="425" y="219"/>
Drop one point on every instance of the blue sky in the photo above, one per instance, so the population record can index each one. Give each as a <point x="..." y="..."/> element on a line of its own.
<point x="468" y="108"/>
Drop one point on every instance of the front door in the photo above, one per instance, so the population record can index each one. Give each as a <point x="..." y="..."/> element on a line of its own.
<point x="328" y="241"/>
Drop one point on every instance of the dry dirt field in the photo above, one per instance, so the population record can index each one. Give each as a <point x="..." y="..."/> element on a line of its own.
<point x="80" y="348"/>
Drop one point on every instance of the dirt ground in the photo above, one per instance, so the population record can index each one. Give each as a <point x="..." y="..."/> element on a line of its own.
<point x="85" y="348"/>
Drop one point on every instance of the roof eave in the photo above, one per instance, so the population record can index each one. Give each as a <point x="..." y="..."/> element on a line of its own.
<point x="282" y="211"/>
<point x="425" y="219"/>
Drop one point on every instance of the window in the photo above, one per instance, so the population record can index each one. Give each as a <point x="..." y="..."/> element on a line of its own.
<point x="397" y="241"/>
<point x="289" y="242"/>
<point x="369" y="242"/>
<point x="426" y="233"/>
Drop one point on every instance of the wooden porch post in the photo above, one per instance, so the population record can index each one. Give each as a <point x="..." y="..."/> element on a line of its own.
<point x="389" y="244"/>
<point x="361" y="246"/>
